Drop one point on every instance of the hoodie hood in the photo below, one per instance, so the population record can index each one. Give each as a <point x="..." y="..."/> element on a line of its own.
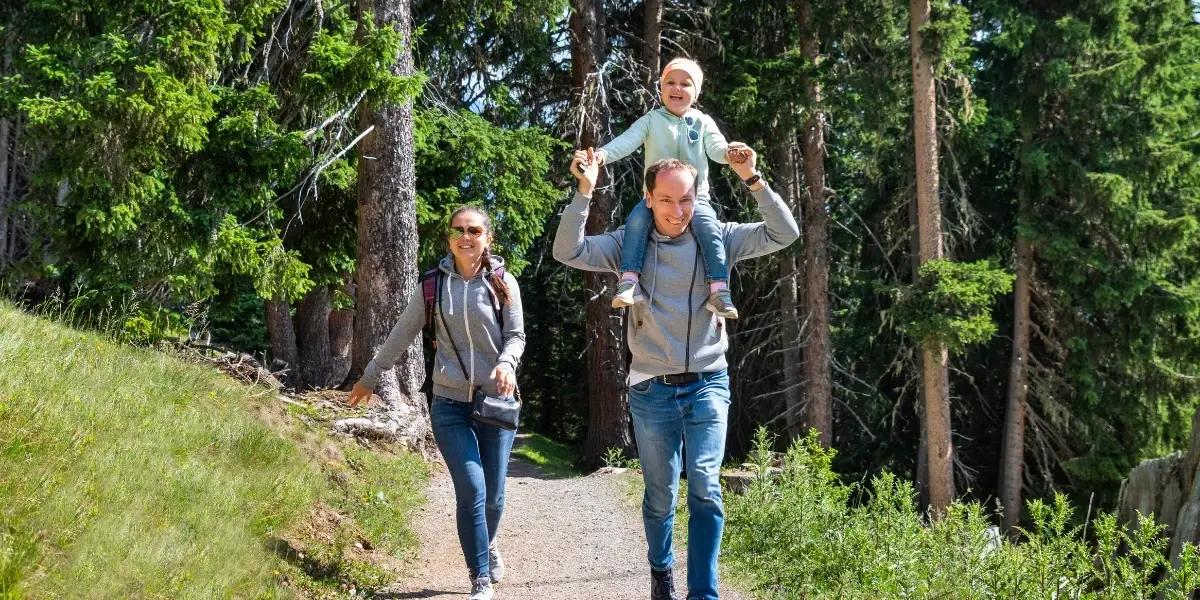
<point x="446" y="265"/>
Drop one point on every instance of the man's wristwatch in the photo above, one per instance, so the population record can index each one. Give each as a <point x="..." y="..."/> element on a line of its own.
<point x="755" y="178"/>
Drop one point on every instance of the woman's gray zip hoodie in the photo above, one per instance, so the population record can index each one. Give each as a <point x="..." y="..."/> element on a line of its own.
<point x="470" y="322"/>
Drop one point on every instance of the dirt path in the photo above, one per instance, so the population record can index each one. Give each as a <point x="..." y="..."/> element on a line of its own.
<point x="578" y="537"/>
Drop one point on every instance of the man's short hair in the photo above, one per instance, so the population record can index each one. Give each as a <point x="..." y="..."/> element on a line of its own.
<point x="667" y="164"/>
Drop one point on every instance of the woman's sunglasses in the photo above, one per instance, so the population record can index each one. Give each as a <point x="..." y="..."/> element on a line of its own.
<point x="693" y="131"/>
<point x="475" y="231"/>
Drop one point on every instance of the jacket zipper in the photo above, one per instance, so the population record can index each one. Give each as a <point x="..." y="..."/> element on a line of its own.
<point x="687" y="360"/>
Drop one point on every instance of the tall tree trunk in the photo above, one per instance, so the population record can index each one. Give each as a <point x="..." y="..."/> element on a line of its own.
<point x="387" y="235"/>
<point x="5" y="128"/>
<point x="1012" y="461"/>
<point x="929" y="216"/>
<point x="312" y="338"/>
<point x="922" y="478"/>
<point x="652" y="39"/>
<point x="283" y="340"/>
<point x="818" y="350"/>
<point x="789" y="297"/>
<point x="15" y="170"/>
<point x="608" y="408"/>
<point x="341" y="340"/>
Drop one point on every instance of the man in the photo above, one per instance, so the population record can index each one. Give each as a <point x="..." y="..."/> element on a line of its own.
<point x="679" y="388"/>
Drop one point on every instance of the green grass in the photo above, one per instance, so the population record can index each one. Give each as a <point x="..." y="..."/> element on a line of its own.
<point x="125" y="472"/>
<point x="805" y="534"/>
<point x="555" y="458"/>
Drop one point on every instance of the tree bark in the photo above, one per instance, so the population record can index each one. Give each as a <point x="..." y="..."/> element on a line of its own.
<point x="1012" y="460"/>
<point x="652" y="39"/>
<point x="818" y="350"/>
<point x="5" y="128"/>
<point x="387" y="234"/>
<point x="283" y="341"/>
<point x="921" y="481"/>
<point x="934" y="357"/>
<point x="312" y="338"/>
<point x="789" y="297"/>
<point x="608" y="407"/>
<point x="341" y="340"/>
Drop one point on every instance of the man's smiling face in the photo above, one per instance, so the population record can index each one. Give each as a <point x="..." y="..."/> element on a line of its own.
<point x="673" y="201"/>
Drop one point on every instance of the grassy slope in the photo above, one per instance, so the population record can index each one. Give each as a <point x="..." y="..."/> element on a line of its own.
<point x="127" y="473"/>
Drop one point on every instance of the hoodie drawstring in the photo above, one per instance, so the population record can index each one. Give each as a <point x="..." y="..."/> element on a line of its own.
<point x="470" y="341"/>
<point x="653" y="278"/>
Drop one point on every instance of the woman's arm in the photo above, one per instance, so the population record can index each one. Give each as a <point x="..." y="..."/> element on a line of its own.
<point x="405" y="331"/>
<point x="513" y="339"/>
<point x="514" y="326"/>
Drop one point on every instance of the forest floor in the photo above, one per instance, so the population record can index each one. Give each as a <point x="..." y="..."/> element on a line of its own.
<point x="562" y="537"/>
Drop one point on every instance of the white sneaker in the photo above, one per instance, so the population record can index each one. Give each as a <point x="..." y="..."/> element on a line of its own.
<point x="495" y="563"/>
<point x="481" y="588"/>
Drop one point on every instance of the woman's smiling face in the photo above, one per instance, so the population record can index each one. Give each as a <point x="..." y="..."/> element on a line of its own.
<point x="678" y="92"/>
<point x="469" y="236"/>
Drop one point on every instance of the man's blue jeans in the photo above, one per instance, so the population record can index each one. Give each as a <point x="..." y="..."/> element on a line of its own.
<point x="476" y="455"/>
<point x="666" y="419"/>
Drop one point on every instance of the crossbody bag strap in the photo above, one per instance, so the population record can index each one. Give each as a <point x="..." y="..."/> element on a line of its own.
<point x="450" y="337"/>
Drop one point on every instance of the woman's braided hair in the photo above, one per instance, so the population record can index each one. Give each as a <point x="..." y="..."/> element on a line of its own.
<point x="497" y="281"/>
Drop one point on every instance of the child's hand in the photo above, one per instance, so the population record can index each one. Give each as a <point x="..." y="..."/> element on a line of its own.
<point x="586" y="169"/>
<point x="581" y="157"/>
<point x="736" y="153"/>
<point x="745" y="167"/>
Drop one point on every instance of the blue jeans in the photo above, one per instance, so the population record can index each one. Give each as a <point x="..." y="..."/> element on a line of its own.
<point x="476" y="455"/>
<point x="708" y="234"/>
<point x="666" y="418"/>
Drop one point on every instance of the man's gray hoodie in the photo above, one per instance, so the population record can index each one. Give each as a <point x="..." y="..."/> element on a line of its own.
<point x="671" y="332"/>
<point x="471" y="322"/>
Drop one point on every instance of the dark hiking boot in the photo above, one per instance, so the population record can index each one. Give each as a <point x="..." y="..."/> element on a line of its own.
<point x="662" y="585"/>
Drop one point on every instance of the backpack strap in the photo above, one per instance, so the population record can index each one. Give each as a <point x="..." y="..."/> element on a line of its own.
<point x="431" y="283"/>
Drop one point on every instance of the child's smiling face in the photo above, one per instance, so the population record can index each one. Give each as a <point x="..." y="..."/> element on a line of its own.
<point x="678" y="92"/>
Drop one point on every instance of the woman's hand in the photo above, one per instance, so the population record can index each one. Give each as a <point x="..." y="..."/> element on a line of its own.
<point x="506" y="380"/>
<point x="358" y="394"/>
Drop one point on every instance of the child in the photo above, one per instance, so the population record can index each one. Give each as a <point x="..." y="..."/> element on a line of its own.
<point x="676" y="130"/>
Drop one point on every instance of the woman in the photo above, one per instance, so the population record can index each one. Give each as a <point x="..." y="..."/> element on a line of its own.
<point x="480" y="336"/>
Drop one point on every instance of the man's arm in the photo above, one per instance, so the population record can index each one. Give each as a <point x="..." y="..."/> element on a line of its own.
<point x="589" y="253"/>
<point x="776" y="231"/>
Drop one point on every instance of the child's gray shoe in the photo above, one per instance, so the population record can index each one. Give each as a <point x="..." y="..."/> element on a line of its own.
<point x="628" y="294"/>
<point x="720" y="302"/>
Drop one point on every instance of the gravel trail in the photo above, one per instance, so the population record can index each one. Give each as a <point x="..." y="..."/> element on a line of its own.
<point x="561" y="538"/>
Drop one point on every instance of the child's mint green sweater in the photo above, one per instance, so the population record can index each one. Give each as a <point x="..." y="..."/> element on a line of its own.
<point x="665" y="135"/>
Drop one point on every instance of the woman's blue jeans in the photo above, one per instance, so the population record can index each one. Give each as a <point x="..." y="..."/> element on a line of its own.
<point x="704" y="223"/>
<point x="476" y="455"/>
